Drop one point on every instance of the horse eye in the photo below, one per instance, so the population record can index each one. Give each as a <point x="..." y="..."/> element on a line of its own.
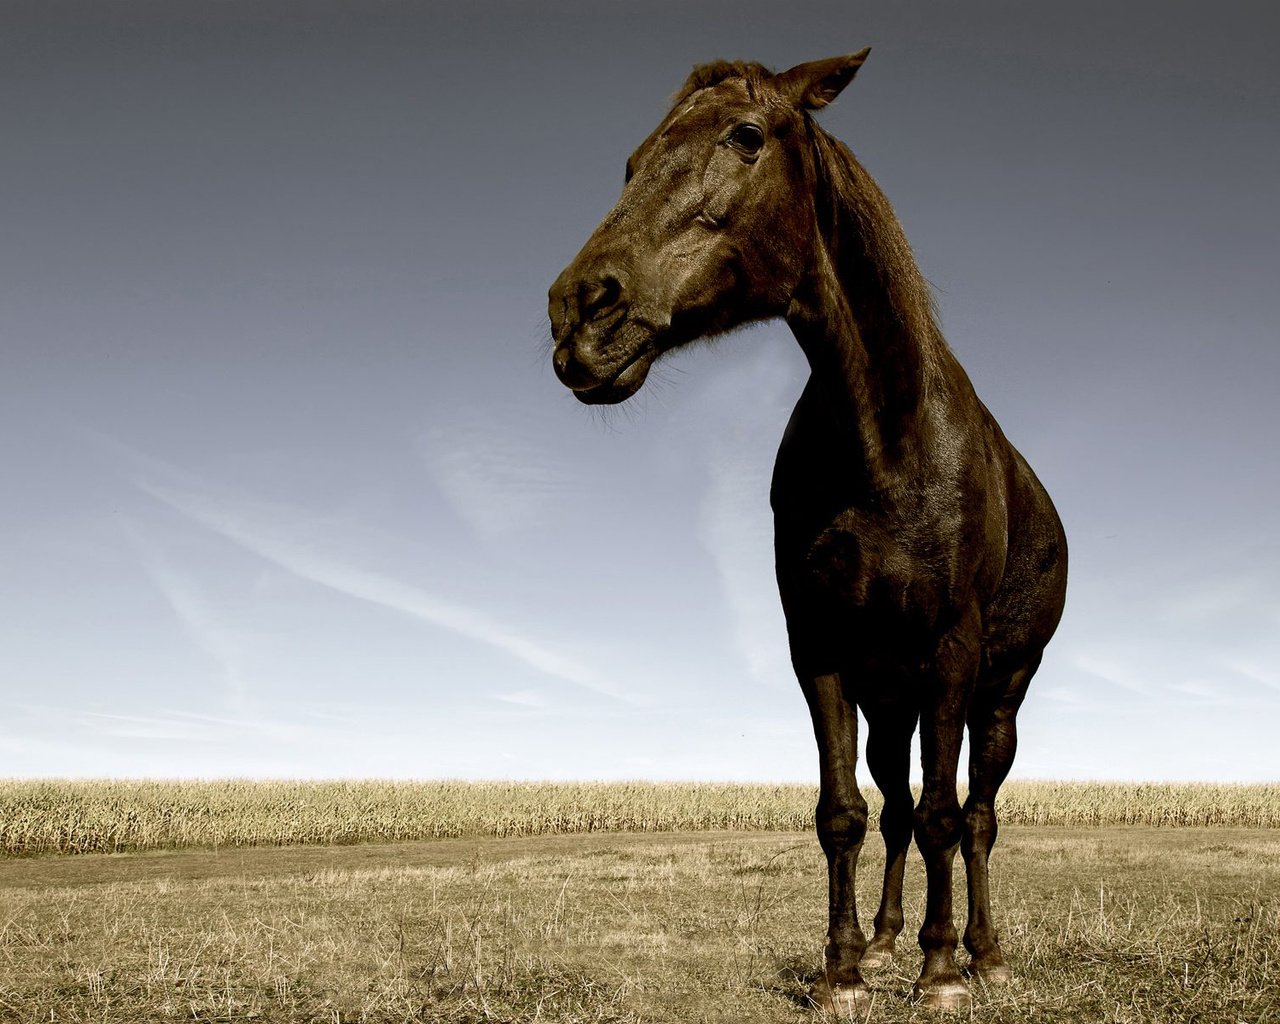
<point x="747" y="138"/>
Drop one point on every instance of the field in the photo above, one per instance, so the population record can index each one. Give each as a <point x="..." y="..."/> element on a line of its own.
<point x="79" y="816"/>
<point x="1114" y="923"/>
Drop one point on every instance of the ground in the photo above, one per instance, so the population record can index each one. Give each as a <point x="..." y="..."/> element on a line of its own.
<point x="1116" y="925"/>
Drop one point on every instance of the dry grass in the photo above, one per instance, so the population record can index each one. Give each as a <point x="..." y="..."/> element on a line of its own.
<point x="1125" y="926"/>
<point x="90" y="816"/>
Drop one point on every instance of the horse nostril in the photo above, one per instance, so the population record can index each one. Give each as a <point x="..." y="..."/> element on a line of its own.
<point x="599" y="296"/>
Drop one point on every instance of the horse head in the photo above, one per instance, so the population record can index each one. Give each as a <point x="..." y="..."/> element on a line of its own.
<point x="716" y="226"/>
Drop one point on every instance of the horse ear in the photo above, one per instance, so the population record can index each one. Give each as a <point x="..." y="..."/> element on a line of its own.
<point x="815" y="84"/>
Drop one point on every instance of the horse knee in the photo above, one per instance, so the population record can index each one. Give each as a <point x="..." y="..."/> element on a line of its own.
<point x="897" y="820"/>
<point x="980" y="822"/>
<point x="842" y="826"/>
<point x="938" y="826"/>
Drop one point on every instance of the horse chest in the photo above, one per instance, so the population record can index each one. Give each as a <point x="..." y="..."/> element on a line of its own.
<point x="883" y="569"/>
<point x="905" y="553"/>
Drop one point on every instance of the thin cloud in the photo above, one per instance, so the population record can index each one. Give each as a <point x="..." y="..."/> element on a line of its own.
<point x="523" y="698"/>
<point x="1200" y="688"/>
<point x="1199" y="601"/>
<point x="1064" y="695"/>
<point x="149" y="727"/>
<point x="1255" y="672"/>
<point x="735" y="530"/>
<point x="201" y="624"/>
<point x="497" y="482"/>
<point x="163" y="724"/>
<point x="270" y="533"/>
<point x="1112" y="671"/>
<point x="735" y="525"/>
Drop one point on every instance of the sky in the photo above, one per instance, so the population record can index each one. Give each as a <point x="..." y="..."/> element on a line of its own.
<point x="290" y="489"/>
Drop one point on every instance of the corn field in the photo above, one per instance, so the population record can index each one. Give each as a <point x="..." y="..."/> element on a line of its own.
<point x="111" y="816"/>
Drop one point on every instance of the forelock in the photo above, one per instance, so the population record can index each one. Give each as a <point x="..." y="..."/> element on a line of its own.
<point x="706" y="75"/>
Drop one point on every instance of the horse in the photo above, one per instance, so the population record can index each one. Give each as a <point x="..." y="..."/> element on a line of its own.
<point x="921" y="564"/>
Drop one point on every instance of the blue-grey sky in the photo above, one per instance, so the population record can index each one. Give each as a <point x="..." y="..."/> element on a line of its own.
<point x="290" y="489"/>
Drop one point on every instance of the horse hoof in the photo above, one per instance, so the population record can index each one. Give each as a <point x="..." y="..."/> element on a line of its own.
<point x="876" y="959"/>
<point x="942" y="995"/>
<point x="842" y="1000"/>
<point x="998" y="974"/>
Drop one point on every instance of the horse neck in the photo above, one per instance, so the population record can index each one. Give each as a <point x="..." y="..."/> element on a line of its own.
<point x="876" y="375"/>
<point x="863" y="318"/>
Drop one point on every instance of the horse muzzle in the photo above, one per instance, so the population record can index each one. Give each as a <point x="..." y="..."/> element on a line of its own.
<point x="604" y="369"/>
<point x="603" y="350"/>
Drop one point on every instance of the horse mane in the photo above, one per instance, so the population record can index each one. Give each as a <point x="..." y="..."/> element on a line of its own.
<point x="872" y="256"/>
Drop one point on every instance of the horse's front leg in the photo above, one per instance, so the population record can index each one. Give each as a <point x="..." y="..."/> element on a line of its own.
<point x="842" y="825"/>
<point x="939" y="824"/>
<point x="889" y="730"/>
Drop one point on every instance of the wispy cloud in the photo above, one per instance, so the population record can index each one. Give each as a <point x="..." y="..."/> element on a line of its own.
<point x="523" y="698"/>
<point x="159" y="724"/>
<point x="271" y="532"/>
<point x="1255" y="671"/>
<point x="223" y="644"/>
<point x="179" y="725"/>
<point x="1162" y="677"/>
<point x="1067" y="695"/>
<point x="735" y="523"/>
<point x="497" y="481"/>
<point x="736" y="531"/>
<point x="1198" y="688"/>
<point x="1114" y="670"/>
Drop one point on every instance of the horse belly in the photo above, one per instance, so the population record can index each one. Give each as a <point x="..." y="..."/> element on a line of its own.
<point x="1024" y="612"/>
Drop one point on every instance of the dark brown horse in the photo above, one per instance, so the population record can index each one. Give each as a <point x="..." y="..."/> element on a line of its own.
<point x="921" y="564"/>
